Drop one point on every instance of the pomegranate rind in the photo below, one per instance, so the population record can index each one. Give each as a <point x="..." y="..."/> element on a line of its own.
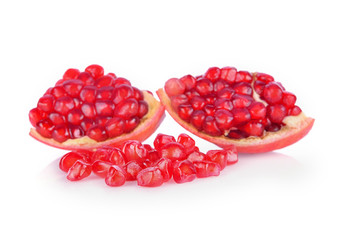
<point x="295" y="129"/>
<point x="149" y="123"/>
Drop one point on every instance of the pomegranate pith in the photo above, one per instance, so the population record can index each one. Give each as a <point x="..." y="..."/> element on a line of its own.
<point x="89" y="109"/>
<point x="257" y="110"/>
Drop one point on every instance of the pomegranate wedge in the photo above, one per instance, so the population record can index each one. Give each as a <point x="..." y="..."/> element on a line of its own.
<point x="226" y="107"/>
<point x="87" y="110"/>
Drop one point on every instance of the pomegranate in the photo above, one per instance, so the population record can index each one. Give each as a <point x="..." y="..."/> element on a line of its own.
<point x="228" y="107"/>
<point x="178" y="159"/>
<point x="86" y="110"/>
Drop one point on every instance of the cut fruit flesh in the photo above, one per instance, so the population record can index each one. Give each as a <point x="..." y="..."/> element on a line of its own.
<point x="148" y="124"/>
<point x="292" y="128"/>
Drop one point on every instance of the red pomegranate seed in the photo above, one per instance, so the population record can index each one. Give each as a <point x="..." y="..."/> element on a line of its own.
<point x="187" y="142"/>
<point x="45" y="127"/>
<point x="63" y="105"/>
<point x="150" y="177"/>
<point x="189" y="82"/>
<point x="57" y="119"/>
<point x="97" y="133"/>
<point x="197" y="103"/>
<point x="178" y="100"/>
<point x="172" y="150"/>
<point x="88" y="94"/>
<point x="114" y="127"/>
<point x="226" y="92"/>
<point x="95" y="70"/>
<point x="273" y="93"/>
<point x="134" y="151"/>
<point x="276" y="113"/>
<point x="79" y="170"/>
<point x="104" y="108"/>
<point x="71" y="73"/>
<point x="86" y="78"/>
<point x="127" y="108"/>
<point x="259" y="87"/>
<point x="184" y="171"/>
<point x="88" y="110"/>
<point x="117" y="157"/>
<point x="209" y="109"/>
<point x="101" y="120"/>
<point x="288" y="100"/>
<point x="197" y="118"/>
<point x="102" y="154"/>
<point x="60" y="133"/>
<point x="243" y="88"/>
<point x="236" y="134"/>
<point x="196" y="156"/>
<point x="295" y="111"/>
<point x="104" y="81"/>
<point x="242" y="101"/>
<point x="116" y="176"/>
<point x="101" y="168"/>
<point x="58" y="92"/>
<point x="241" y="116"/>
<point x="219" y="85"/>
<point x="224" y="119"/>
<point x="174" y="86"/>
<point x="218" y="156"/>
<point x="185" y="111"/>
<point x="35" y="115"/>
<point x="273" y="127"/>
<point x="131" y="124"/>
<point x="105" y="93"/>
<point x="46" y="103"/>
<point x="76" y="131"/>
<point x="122" y="92"/>
<point x="253" y="128"/>
<point x="191" y="93"/>
<point x="213" y="73"/>
<point x="243" y="76"/>
<point x="132" y="168"/>
<point x="210" y="126"/>
<point x="232" y="154"/>
<point x="86" y="124"/>
<point x="120" y="81"/>
<point x="73" y="87"/>
<point x="210" y="99"/>
<point x="75" y="116"/>
<point x="143" y="108"/>
<point x="204" y="87"/>
<point x="257" y="110"/>
<point x="264" y="77"/>
<point x="68" y="160"/>
<point x="206" y="169"/>
<point x="223" y="103"/>
<point x="137" y="94"/>
<point x="161" y="140"/>
<point x="165" y="166"/>
<point x="153" y="155"/>
<point x="228" y="74"/>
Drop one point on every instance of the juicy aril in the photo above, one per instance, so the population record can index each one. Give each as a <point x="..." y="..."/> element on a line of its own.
<point x="89" y="109"/>
<point x="226" y="106"/>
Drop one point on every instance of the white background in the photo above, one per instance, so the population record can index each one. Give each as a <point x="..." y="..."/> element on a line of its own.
<point x="293" y="193"/>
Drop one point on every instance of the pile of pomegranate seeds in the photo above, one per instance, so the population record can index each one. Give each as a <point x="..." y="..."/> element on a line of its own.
<point x="88" y="103"/>
<point x="170" y="158"/>
<point x="236" y="104"/>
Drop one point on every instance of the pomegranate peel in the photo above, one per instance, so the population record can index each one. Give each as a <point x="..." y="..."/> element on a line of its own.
<point x="288" y="123"/>
<point x="148" y="124"/>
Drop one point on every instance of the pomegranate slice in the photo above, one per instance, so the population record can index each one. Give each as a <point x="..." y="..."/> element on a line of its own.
<point x="88" y="110"/>
<point x="230" y="107"/>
